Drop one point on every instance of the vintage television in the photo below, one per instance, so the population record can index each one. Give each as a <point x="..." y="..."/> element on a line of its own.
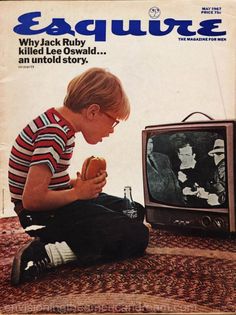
<point x="189" y="174"/>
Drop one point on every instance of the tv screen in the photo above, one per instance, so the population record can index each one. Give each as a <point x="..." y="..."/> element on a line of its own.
<point x="187" y="168"/>
<point x="189" y="174"/>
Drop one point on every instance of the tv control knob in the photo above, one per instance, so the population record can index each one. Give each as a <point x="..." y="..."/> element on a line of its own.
<point x="206" y="221"/>
<point x="219" y="222"/>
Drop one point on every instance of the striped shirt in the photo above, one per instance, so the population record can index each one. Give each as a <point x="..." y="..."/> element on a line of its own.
<point x="48" y="139"/>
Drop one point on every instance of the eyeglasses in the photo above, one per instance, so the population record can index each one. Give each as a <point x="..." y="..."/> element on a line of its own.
<point x="115" y="121"/>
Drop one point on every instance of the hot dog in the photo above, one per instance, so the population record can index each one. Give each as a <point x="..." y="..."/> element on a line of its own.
<point x="92" y="166"/>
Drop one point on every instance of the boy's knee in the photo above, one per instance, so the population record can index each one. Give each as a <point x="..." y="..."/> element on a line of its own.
<point x="141" y="212"/>
<point x="136" y="240"/>
<point x="143" y="235"/>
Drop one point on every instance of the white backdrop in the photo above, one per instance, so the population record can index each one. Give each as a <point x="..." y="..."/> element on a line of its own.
<point x="165" y="79"/>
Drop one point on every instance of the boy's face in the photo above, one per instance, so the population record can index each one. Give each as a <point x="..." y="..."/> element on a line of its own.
<point x="98" y="126"/>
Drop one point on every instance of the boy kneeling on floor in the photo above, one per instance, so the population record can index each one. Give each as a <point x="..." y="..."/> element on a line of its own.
<point x="71" y="219"/>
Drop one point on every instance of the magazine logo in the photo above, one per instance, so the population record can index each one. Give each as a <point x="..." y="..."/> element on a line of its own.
<point x="98" y="28"/>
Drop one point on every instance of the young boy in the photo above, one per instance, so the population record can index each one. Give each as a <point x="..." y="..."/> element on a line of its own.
<point x="71" y="219"/>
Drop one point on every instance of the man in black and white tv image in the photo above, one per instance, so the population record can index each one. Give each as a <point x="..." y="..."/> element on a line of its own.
<point x="187" y="169"/>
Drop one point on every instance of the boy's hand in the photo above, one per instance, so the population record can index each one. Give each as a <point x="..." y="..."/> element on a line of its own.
<point x="91" y="188"/>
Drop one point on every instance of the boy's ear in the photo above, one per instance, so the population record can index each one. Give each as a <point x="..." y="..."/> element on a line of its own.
<point x="92" y="111"/>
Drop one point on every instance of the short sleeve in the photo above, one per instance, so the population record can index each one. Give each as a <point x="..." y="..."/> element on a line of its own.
<point x="49" y="145"/>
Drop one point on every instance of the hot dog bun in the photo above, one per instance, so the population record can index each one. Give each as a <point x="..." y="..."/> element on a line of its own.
<point x="92" y="166"/>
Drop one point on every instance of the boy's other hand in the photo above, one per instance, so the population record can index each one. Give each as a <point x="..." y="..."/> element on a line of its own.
<point x="91" y="188"/>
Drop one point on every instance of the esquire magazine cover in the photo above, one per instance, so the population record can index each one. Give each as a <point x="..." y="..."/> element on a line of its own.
<point x="173" y="58"/>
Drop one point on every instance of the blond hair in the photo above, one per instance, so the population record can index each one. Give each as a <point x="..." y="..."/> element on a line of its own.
<point x="97" y="86"/>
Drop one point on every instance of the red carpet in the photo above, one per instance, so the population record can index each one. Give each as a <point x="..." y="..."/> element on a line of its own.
<point x="178" y="274"/>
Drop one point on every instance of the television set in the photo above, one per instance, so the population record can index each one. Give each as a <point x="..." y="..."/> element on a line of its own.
<point x="189" y="174"/>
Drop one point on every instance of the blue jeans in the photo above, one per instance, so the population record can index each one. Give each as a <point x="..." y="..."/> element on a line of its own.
<point x="94" y="229"/>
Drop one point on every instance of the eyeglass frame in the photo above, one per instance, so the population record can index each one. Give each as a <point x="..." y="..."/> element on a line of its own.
<point x="115" y="123"/>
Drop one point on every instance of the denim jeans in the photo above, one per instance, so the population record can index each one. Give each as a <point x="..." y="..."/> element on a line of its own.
<point x="94" y="229"/>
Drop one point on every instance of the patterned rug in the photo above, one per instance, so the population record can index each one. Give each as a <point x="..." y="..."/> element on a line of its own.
<point x="178" y="274"/>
